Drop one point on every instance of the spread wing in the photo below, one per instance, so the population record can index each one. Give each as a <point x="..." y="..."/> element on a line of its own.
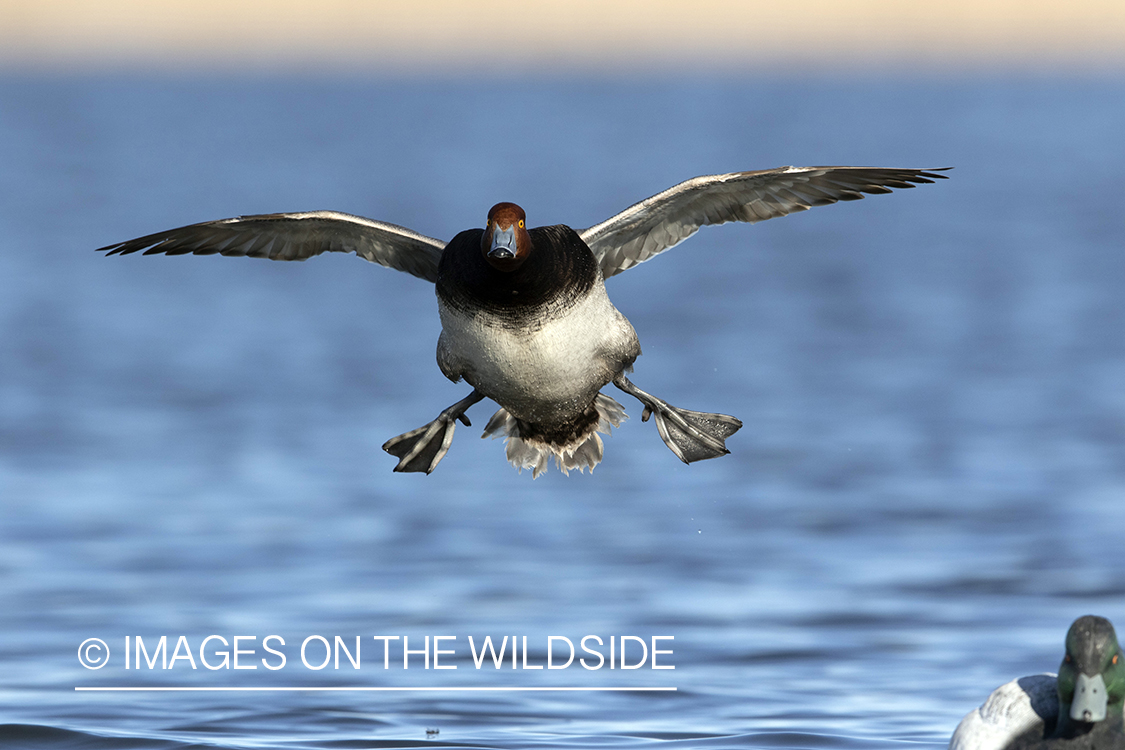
<point x="296" y="237"/>
<point x="658" y="223"/>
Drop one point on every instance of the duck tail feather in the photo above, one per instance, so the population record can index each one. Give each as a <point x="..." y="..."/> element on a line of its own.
<point x="524" y="454"/>
<point x="610" y="413"/>
<point x="502" y="424"/>
<point x="526" y="449"/>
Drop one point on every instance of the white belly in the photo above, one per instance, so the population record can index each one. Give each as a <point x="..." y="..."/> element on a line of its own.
<point x="547" y="372"/>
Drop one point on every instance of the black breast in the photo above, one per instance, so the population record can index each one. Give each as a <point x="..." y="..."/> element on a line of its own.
<point x="1104" y="735"/>
<point x="559" y="271"/>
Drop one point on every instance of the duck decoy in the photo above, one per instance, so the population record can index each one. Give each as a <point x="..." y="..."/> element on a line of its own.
<point x="1081" y="708"/>
<point x="525" y="316"/>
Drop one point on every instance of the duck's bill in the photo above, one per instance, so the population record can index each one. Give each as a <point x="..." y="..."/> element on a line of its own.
<point x="1089" y="702"/>
<point x="503" y="243"/>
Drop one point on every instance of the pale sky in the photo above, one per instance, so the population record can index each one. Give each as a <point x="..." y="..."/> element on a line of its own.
<point x="535" y="35"/>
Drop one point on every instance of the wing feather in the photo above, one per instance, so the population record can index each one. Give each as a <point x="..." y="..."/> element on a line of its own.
<point x="296" y="236"/>
<point x="658" y="223"/>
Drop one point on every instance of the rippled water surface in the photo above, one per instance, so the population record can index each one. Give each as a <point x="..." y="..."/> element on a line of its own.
<point x="928" y="489"/>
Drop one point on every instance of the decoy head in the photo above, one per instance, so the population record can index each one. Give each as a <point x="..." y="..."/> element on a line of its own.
<point x="1091" y="681"/>
<point x="506" y="243"/>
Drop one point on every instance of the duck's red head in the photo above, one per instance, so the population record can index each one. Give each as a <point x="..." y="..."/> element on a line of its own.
<point x="506" y="243"/>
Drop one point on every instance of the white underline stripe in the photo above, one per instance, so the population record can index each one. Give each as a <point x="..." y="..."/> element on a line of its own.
<point x="373" y="689"/>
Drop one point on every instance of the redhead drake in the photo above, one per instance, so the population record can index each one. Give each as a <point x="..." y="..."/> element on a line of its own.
<point x="525" y="316"/>
<point x="1079" y="709"/>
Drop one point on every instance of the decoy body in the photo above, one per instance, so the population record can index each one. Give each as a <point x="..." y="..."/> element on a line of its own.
<point x="525" y="316"/>
<point x="1080" y="709"/>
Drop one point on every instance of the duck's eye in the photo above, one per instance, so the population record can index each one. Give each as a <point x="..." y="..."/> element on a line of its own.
<point x="1067" y="659"/>
<point x="521" y="223"/>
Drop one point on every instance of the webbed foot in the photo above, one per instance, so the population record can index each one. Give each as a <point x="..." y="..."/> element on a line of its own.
<point x="691" y="435"/>
<point x="424" y="448"/>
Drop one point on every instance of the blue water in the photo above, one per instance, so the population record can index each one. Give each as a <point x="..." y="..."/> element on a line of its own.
<point x="928" y="489"/>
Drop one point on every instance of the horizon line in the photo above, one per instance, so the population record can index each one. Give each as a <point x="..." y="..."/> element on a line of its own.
<point x="262" y="689"/>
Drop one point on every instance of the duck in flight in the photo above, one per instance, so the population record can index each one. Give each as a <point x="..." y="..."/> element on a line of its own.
<point x="524" y="312"/>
